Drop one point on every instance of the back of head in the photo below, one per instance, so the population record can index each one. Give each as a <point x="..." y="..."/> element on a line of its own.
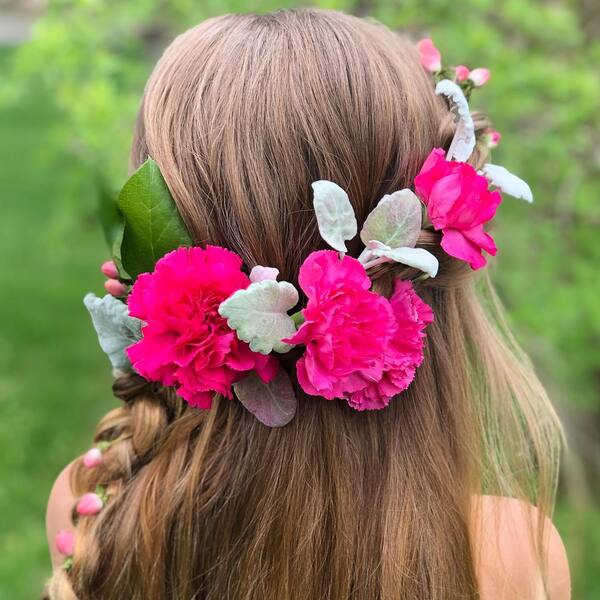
<point x="242" y="113"/>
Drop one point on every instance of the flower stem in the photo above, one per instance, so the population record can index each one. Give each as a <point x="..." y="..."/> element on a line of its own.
<point x="298" y="318"/>
<point x="376" y="262"/>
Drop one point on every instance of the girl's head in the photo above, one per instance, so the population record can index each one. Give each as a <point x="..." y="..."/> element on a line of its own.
<point x="242" y="113"/>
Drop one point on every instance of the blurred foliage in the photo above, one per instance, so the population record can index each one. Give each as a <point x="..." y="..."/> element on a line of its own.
<point x="95" y="56"/>
<point x="88" y="61"/>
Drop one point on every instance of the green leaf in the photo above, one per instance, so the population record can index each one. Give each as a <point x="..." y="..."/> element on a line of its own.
<point x="259" y="314"/>
<point x="418" y="258"/>
<point x="113" y="225"/>
<point x="273" y="403"/>
<point x="335" y="215"/>
<point x="395" y="221"/>
<point x="510" y="184"/>
<point x="115" y="328"/>
<point x="153" y="226"/>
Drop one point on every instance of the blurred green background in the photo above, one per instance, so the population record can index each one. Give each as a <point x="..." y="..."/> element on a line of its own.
<point x="72" y="76"/>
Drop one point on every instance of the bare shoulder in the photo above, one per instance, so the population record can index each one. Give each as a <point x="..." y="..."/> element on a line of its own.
<point x="506" y="559"/>
<point x="58" y="512"/>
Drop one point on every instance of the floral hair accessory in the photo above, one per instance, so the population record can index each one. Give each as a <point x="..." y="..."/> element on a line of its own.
<point x="91" y="503"/>
<point x="186" y="343"/>
<point x="64" y="541"/>
<point x="460" y="200"/>
<point x="198" y="320"/>
<point x="92" y="458"/>
<point x="467" y="79"/>
<point x="492" y="138"/>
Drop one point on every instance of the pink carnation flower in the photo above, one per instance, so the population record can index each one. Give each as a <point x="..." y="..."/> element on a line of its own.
<point x="186" y="343"/>
<point x="403" y="354"/>
<point x="345" y="328"/>
<point x="459" y="203"/>
<point x="431" y="58"/>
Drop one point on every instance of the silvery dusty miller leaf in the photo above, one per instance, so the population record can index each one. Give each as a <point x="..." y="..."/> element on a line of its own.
<point x="115" y="328"/>
<point x="510" y="184"/>
<point x="259" y="314"/>
<point x="395" y="221"/>
<point x="463" y="141"/>
<point x="273" y="403"/>
<point x="418" y="258"/>
<point x="335" y="215"/>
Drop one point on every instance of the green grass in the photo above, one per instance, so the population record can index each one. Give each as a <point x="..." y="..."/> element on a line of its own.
<point x="54" y="381"/>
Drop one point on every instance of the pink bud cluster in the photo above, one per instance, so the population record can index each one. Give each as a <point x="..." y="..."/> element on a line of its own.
<point x="431" y="60"/>
<point x="112" y="285"/>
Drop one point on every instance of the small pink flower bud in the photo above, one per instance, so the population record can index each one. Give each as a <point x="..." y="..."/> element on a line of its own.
<point x="92" y="458"/>
<point x="492" y="138"/>
<point x="89" y="504"/>
<point x="480" y="77"/>
<point x="461" y="73"/>
<point x="110" y="269"/>
<point x="115" y="288"/>
<point x="259" y="273"/>
<point x="431" y="58"/>
<point x="64" y="542"/>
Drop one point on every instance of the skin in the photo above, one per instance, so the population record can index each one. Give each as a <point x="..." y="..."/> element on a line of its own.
<point x="505" y="560"/>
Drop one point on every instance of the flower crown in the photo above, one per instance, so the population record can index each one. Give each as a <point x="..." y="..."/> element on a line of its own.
<point x="196" y="320"/>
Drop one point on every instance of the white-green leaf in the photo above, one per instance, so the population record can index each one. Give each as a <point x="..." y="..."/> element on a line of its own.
<point x="418" y="258"/>
<point x="395" y="221"/>
<point x="335" y="215"/>
<point x="115" y="328"/>
<point x="510" y="184"/>
<point x="259" y="314"/>
<point x="463" y="141"/>
<point x="273" y="403"/>
<point x="260" y="273"/>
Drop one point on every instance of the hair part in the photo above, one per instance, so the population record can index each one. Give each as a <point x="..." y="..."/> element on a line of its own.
<point x="242" y="113"/>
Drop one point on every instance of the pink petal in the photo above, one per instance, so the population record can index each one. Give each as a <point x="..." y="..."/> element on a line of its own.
<point x="324" y="269"/>
<point x="456" y="244"/>
<point x="267" y="366"/>
<point x="484" y="240"/>
<point x="65" y="542"/>
<point x="435" y="167"/>
<point x="444" y="193"/>
<point x="431" y="58"/>
<point x="461" y="72"/>
<point x="259" y="273"/>
<point x="480" y="77"/>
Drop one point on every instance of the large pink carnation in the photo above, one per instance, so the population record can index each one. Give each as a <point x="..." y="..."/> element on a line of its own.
<point x="345" y="327"/>
<point x="458" y="202"/>
<point x="186" y="343"/>
<point x="404" y="352"/>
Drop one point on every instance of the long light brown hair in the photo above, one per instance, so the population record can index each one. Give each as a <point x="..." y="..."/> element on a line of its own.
<point x="242" y="113"/>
